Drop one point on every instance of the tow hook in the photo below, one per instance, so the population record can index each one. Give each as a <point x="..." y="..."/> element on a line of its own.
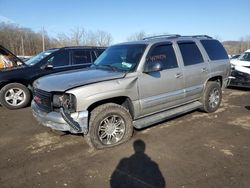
<point x="72" y="123"/>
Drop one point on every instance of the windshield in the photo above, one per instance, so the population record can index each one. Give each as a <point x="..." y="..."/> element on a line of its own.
<point x="245" y="56"/>
<point x="34" y="60"/>
<point x="121" y="57"/>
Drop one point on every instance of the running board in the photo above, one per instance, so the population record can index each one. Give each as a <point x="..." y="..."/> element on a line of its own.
<point x="161" y="116"/>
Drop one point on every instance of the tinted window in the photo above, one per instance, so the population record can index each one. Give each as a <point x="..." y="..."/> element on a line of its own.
<point x="81" y="57"/>
<point x="164" y="54"/>
<point x="59" y="59"/>
<point x="214" y="49"/>
<point x="190" y="53"/>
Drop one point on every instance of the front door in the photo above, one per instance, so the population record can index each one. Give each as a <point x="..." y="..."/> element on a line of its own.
<point x="162" y="89"/>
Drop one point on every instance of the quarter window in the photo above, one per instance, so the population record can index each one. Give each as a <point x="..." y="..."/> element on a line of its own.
<point x="190" y="53"/>
<point x="214" y="49"/>
<point x="164" y="54"/>
<point x="81" y="57"/>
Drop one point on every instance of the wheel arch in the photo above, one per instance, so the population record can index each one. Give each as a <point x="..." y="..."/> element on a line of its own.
<point x="23" y="82"/>
<point x="217" y="78"/>
<point x="120" y="100"/>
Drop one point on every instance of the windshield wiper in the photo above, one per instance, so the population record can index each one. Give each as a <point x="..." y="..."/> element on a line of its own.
<point x="107" y="65"/>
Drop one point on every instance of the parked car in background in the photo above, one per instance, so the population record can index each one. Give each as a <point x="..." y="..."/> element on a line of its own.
<point x="134" y="84"/>
<point x="234" y="56"/>
<point x="16" y="76"/>
<point x="24" y="58"/>
<point x="240" y="74"/>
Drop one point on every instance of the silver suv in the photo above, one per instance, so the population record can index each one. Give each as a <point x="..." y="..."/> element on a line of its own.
<point x="134" y="85"/>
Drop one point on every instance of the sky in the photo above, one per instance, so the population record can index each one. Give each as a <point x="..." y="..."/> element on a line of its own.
<point x="223" y="19"/>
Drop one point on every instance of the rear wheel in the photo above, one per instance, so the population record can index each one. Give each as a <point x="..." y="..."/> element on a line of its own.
<point x="14" y="96"/>
<point x="110" y="125"/>
<point x="211" y="97"/>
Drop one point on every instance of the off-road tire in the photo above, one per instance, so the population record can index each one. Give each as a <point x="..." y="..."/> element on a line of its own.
<point x="6" y="88"/>
<point x="99" y="114"/>
<point x="210" y="88"/>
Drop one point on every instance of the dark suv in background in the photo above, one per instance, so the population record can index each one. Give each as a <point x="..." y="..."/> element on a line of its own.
<point x="16" y="80"/>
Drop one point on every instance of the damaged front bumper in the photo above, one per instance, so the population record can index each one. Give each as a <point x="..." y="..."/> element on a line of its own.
<point x="239" y="79"/>
<point x="75" y="122"/>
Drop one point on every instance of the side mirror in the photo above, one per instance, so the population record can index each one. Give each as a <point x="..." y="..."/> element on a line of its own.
<point x="153" y="66"/>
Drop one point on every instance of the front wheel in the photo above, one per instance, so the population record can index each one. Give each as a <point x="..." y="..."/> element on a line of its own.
<point x="110" y="125"/>
<point x="14" y="96"/>
<point x="211" y="97"/>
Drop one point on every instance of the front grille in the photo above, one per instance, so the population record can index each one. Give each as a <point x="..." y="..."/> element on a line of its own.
<point x="43" y="99"/>
<point x="240" y="75"/>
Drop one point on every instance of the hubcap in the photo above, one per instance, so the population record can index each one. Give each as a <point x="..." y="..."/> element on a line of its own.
<point x="15" y="96"/>
<point x="111" y="130"/>
<point x="214" y="98"/>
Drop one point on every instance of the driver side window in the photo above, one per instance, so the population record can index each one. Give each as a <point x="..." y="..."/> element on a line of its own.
<point x="165" y="55"/>
<point x="59" y="59"/>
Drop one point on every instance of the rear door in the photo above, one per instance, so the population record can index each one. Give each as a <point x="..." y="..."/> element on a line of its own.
<point x="163" y="89"/>
<point x="195" y="68"/>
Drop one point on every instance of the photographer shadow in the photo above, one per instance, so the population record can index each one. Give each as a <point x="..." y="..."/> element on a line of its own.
<point x="137" y="171"/>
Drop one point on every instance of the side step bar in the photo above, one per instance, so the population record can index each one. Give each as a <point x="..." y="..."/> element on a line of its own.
<point x="161" y="116"/>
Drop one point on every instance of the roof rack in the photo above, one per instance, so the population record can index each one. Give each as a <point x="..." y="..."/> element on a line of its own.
<point x="199" y="36"/>
<point x="84" y="46"/>
<point x="176" y="36"/>
<point x="162" y="36"/>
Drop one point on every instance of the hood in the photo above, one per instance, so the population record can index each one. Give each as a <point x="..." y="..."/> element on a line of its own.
<point x="242" y="69"/>
<point x="66" y="80"/>
<point x="240" y="63"/>
<point x="8" y="60"/>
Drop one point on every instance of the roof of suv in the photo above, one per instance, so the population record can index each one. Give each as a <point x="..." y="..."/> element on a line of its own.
<point x="78" y="47"/>
<point x="84" y="47"/>
<point x="163" y="38"/>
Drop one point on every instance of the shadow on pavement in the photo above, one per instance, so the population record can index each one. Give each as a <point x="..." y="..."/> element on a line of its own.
<point x="137" y="171"/>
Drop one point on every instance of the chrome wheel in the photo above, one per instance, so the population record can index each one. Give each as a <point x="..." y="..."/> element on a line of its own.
<point x="214" y="98"/>
<point x="15" y="96"/>
<point x="111" y="130"/>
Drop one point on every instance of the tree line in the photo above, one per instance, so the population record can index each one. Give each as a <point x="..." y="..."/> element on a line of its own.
<point x="25" y="41"/>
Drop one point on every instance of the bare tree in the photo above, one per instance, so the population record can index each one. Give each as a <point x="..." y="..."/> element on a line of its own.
<point x="24" y="41"/>
<point x="137" y="36"/>
<point x="77" y="35"/>
<point x="103" y="38"/>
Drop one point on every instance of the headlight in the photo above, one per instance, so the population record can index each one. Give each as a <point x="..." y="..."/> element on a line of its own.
<point x="67" y="101"/>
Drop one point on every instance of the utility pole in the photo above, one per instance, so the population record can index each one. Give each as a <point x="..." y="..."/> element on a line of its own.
<point x="22" y="45"/>
<point x="43" y="38"/>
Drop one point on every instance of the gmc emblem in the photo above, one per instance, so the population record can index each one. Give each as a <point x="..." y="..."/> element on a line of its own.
<point x="37" y="100"/>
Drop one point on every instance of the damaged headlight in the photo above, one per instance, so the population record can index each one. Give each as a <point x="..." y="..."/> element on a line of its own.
<point x="67" y="101"/>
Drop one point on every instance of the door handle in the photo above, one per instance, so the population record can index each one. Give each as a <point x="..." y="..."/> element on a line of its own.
<point x="204" y="70"/>
<point x="178" y="75"/>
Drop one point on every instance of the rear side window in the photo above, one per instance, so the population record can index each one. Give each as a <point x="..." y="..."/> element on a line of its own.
<point x="81" y="57"/>
<point x="214" y="49"/>
<point x="190" y="53"/>
<point x="165" y="54"/>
